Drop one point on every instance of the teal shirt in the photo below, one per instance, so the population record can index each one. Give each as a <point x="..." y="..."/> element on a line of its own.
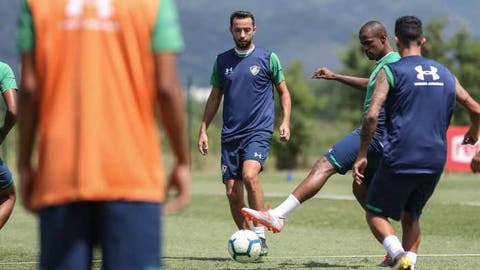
<point x="275" y="69"/>
<point x="166" y="34"/>
<point x="7" y="78"/>
<point x="389" y="58"/>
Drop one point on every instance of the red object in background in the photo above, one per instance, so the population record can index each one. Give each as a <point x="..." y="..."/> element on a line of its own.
<point x="459" y="156"/>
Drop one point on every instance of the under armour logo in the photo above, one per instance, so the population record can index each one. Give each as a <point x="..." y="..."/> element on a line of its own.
<point x="228" y="70"/>
<point x="432" y="72"/>
<point x="257" y="155"/>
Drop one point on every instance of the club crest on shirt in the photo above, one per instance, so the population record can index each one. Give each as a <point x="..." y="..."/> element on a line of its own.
<point x="254" y="70"/>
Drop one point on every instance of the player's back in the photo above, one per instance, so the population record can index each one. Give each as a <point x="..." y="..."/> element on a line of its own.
<point x="418" y="111"/>
<point x="95" y="68"/>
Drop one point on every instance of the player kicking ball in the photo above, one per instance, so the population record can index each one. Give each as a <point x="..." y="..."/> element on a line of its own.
<point x="341" y="157"/>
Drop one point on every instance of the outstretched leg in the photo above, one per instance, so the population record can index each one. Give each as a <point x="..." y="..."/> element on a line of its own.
<point x="7" y="201"/>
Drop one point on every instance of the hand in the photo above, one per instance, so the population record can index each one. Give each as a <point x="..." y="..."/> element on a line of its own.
<point x="359" y="169"/>
<point x="475" y="165"/>
<point x="180" y="180"/>
<point x="323" y="73"/>
<point x="471" y="136"/>
<point x="26" y="185"/>
<point x="284" y="132"/>
<point x="203" y="143"/>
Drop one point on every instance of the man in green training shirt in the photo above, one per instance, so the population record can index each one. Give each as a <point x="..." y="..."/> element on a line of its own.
<point x="8" y="86"/>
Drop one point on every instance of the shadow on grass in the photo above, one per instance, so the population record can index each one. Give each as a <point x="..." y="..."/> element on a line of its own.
<point x="213" y="259"/>
<point x="268" y="265"/>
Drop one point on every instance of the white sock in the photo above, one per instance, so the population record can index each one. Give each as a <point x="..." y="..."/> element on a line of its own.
<point x="260" y="231"/>
<point x="393" y="246"/>
<point x="412" y="256"/>
<point x="287" y="206"/>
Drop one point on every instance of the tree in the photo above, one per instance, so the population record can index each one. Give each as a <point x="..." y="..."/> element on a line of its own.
<point x="303" y="108"/>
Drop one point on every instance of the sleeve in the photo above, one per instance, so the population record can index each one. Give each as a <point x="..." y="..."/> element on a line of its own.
<point x="390" y="77"/>
<point x="276" y="69"/>
<point x="25" y="31"/>
<point x="7" y="78"/>
<point x="214" y="80"/>
<point x="167" y="35"/>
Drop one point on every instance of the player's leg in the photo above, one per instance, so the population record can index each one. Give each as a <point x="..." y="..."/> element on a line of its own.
<point x="66" y="236"/>
<point x="253" y="155"/>
<point x="231" y="176"/>
<point x="129" y="234"/>
<point x="411" y="236"/>
<point x="387" y="198"/>
<point x="339" y="159"/>
<point x="317" y="177"/>
<point x="235" y="194"/>
<point x="424" y="186"/>
<point x="7" y="193"/>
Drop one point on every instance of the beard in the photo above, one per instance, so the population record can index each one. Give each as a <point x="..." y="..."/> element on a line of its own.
<point x="243" y="45"/>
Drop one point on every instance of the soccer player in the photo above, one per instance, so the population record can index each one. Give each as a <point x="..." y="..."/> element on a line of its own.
<point x="245" y="76"/>
<point x="418" y="95"/>
<point x="94" y="74"/>
<point x="339" y="159"/>
<point x="8" y="86"/>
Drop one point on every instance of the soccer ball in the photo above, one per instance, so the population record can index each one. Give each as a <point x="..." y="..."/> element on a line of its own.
<point x="244" y="246"/>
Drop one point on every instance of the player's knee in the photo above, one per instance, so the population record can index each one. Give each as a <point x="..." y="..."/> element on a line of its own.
<point x="322" y="168"/>
<point x="250" y="178"/>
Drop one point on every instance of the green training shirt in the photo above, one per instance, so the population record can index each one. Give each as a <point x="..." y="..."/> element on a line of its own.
<point x="389" y="58"/>
<point x="7" y="78"/>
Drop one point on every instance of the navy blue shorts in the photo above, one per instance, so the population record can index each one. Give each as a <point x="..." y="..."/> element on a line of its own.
<point x="343" y="154"/>
<point x="391" y="194"/>
<point x="127" y="232"/>
<point x="234" y="152"/>
<point x="6" y="179"/>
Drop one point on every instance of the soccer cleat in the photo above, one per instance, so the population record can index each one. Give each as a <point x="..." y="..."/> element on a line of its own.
<point x="404" y="263"/>
<point x="264" y="251"/>
<point x="386" y="262"/>
<point x="265" y="218"/>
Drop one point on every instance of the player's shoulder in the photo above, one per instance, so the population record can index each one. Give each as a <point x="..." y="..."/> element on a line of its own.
<point x="226" y="53"/>
<point x="5" y="68"/>
<point x="263" y="52"/>
<point x="4" y="65"/>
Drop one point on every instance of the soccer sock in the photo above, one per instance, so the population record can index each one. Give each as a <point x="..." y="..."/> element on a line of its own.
<point x="393" y="246"/>
<point x="260" y="231"/>
<point x="287" y="206"/>
<point x="412" y="255"/>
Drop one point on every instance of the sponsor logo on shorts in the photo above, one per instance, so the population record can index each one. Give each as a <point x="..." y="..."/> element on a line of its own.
<point x="257" y="155"/>
<point x="224" y="168"/>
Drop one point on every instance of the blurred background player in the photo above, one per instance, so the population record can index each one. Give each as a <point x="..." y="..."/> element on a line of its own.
<point x="340" y="158"/>
<point x="94" y="74"/>
<point x="8" y="86"/>
<point x="245" y="76"/>
<point x="418" y="95"/>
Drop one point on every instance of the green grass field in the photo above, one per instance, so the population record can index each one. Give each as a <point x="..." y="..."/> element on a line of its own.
<point x="327" y="232"/>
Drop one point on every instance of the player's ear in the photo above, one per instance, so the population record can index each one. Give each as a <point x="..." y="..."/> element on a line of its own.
<point x="422" y="43"/>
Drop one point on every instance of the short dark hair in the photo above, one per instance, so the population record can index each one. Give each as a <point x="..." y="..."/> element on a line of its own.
<point x="377" y="27"/>
<point x="241" y="14"/>
<point x="409" y="29"/>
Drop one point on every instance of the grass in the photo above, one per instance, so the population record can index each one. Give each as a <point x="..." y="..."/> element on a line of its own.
<point x="327" y="232"/>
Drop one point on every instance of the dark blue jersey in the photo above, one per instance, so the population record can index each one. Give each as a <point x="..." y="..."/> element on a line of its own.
<point x="247" y="84"/>
<point x="418" y="111"/>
